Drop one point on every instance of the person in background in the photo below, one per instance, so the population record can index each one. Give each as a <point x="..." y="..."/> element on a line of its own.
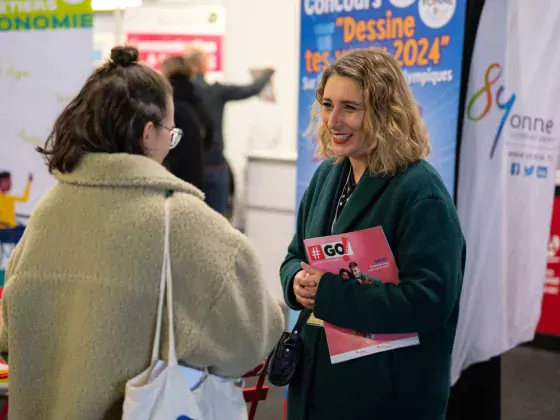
<point x="368" y="125"/>
<point x="8" y="202"/>
<point x="230" y="210"/>
<point x="185" y="161"/>
<point x="215" y="96"/>
<point x="82" y="286"/>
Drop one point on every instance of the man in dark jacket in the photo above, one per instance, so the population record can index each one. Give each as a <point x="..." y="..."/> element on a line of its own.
<point x="186" y="160"/>
<point x="215" y="96"/>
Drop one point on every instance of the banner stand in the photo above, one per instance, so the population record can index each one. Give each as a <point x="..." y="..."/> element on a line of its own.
<point x="477" y="393"/>
<point x="45" y="57"/>
<point x="435" y="76"/>
<point x="508" y="165"/>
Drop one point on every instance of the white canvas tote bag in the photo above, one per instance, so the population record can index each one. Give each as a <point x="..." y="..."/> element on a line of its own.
<point x="169" y="391"/>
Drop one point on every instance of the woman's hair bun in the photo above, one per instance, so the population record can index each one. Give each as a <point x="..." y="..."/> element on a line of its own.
<point x="124" y="55"/>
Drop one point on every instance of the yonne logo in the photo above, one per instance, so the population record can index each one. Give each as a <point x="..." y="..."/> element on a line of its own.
<point x="486" y="91"/>
<point x="525" y="127"/>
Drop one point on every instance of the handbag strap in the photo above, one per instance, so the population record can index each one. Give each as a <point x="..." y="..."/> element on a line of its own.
<point x="165" y="289"/>
<point x="300" y="323"/>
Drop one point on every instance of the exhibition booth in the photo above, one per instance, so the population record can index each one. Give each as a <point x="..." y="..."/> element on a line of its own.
<point x="485" y="83"/>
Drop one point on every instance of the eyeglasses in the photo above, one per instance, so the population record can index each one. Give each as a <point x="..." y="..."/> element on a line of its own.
<point x="176" y="135"/>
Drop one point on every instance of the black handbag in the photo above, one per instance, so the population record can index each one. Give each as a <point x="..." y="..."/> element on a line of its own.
<point x="283" y="361"/>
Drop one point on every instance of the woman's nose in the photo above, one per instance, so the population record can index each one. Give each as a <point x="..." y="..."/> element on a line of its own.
<point x="334" y="119"/>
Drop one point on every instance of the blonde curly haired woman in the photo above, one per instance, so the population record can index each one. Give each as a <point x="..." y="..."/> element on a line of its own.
<point x="370" y="129"/>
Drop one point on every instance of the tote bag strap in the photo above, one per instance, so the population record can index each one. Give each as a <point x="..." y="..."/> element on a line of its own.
<point x="165" y="289"/>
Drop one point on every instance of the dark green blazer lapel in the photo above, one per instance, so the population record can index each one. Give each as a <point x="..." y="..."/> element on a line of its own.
<point x="367" y="191"/>
<point x="318" y="221"/>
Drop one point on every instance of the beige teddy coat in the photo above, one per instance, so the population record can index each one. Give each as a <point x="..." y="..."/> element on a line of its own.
<point x="79" y="306"/>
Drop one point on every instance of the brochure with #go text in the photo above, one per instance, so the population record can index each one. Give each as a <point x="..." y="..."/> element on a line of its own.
<point x="364" y="257"/>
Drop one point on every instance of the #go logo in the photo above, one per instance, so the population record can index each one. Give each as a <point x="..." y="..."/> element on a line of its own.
<point x="331" y="250"/>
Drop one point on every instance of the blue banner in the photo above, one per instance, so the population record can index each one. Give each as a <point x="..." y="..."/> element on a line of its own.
<point x="425" y="36"/>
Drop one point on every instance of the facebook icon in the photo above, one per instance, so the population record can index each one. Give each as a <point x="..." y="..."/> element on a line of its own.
<point x="515" y="168"/>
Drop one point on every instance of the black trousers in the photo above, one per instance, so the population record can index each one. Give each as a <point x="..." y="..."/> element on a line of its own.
<point x="477" y="394"/>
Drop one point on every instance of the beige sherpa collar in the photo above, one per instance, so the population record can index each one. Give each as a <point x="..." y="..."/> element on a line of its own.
<point x="125" y="171"/>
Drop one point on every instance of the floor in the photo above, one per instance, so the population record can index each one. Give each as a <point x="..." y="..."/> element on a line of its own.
<point x="530" y="387"/>
<point x="530" y="384"/>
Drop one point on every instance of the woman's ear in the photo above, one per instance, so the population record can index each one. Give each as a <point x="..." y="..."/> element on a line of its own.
<point x="148" y="136"/>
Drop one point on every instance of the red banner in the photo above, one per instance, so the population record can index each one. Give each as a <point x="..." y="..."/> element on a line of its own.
<point x="550" y="316"/>
<point x="154" y="48"/>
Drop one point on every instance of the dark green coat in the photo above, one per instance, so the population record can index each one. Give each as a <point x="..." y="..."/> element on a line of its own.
<point x="422" y="228"/>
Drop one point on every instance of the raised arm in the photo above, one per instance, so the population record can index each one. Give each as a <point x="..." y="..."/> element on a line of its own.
<point x="238" y="92"/>
<point x="25" y="197"/>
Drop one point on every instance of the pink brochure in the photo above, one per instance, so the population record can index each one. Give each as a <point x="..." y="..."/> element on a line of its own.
<point x="365" y="257"/>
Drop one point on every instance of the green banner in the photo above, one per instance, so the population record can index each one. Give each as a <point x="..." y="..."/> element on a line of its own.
<point x="40" y="15"/>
